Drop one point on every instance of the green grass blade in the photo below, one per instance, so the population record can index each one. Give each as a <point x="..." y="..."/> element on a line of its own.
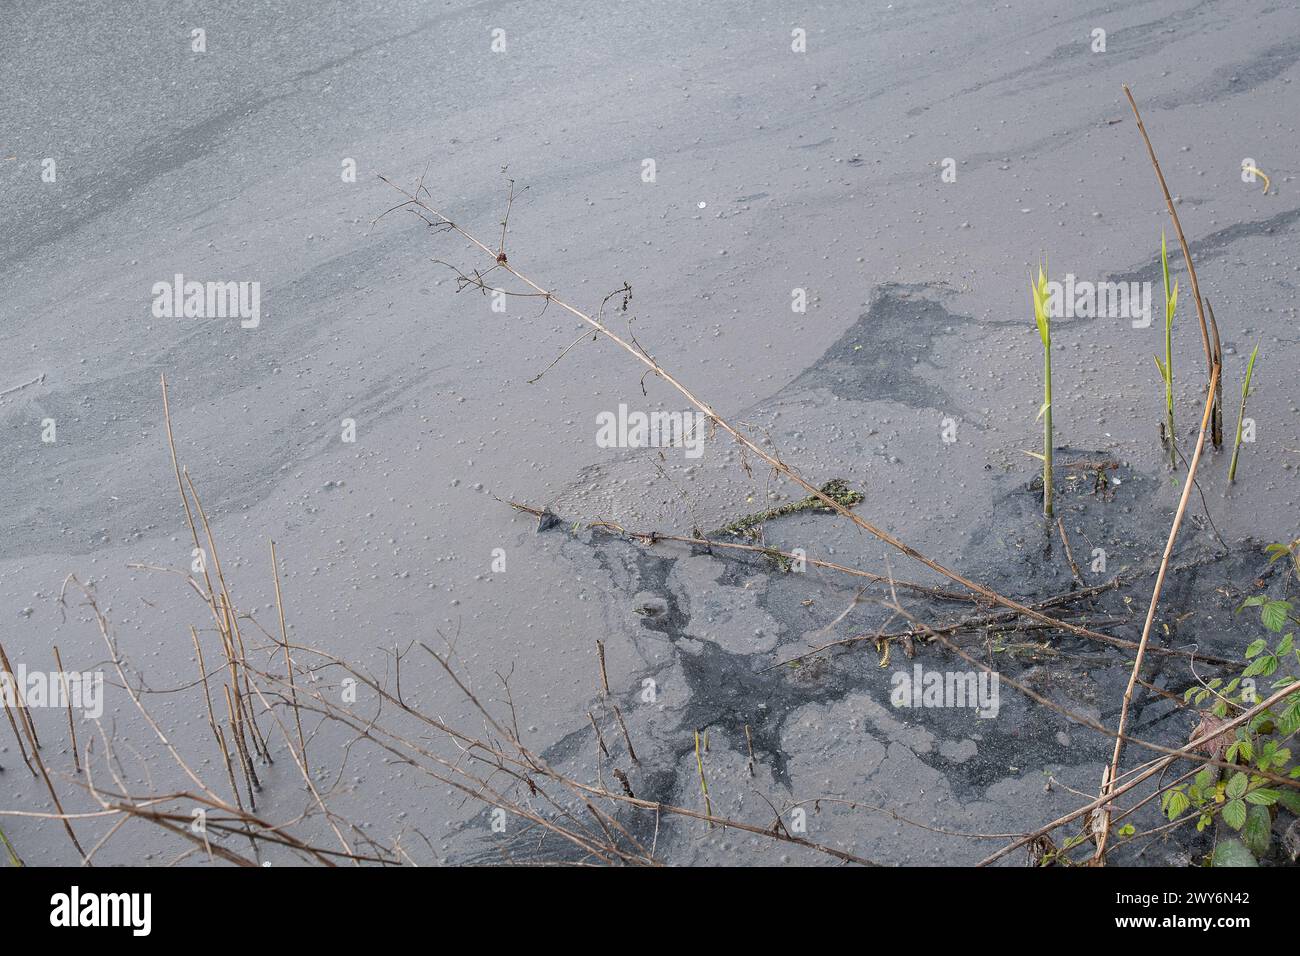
<point x="14" y="859"/>
<point x="1241" y="414"/>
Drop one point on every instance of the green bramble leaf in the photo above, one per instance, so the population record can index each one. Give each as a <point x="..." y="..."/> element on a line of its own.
<point x="1262" y="797"/>
<point x="1289" y="722"/>
<point x="1234" y="814"/>
<point x="1273" y="615"/>
<point x="1258" y="832"/>
<point x="1232" y="853"/>
<point x="1290" y="799"/>
<point x="1264" y="665"/>
<point x="1237" y="785"/>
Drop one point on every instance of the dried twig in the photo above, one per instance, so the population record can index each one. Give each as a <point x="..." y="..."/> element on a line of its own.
<point x="437" y="219"/>
<point x="604" y="677"/>
<point x="627" y="738"/>
<point x="288" y="661"/>
<point x="1192" y="750"/>
<point x="1109" y="780"/>
<point x="1069" y="555"/>
<point x="30" y="728"/>
<point x="600" y="738"/>
<point x="1182" y="240"/>
<point x="67" y="699"/>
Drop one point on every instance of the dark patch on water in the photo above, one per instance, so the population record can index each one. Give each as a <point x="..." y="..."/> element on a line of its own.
<point x="1115" y="519"/>
<point x="1244" y="76"/>
<point x="1210" y="247"/>
<point x="1102" y="504"/>
<point x="879" y="357"/>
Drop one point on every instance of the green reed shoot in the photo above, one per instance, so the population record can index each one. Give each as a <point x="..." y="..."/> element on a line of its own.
<point x="704" y="784"/>
<point x="1241" y="415"/>
<point x="1043" y="318"/>
<point x="1167" y="367"/>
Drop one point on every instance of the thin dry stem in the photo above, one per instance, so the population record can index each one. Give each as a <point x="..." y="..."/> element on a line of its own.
<point x="1108" y="782"/>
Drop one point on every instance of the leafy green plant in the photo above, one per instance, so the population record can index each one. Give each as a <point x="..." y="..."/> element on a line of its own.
<point x="1043" y="319"/>
<point x="1167" y="366"/>
<point x="1241" y="415"/>
<point x="1243" y="799"/>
